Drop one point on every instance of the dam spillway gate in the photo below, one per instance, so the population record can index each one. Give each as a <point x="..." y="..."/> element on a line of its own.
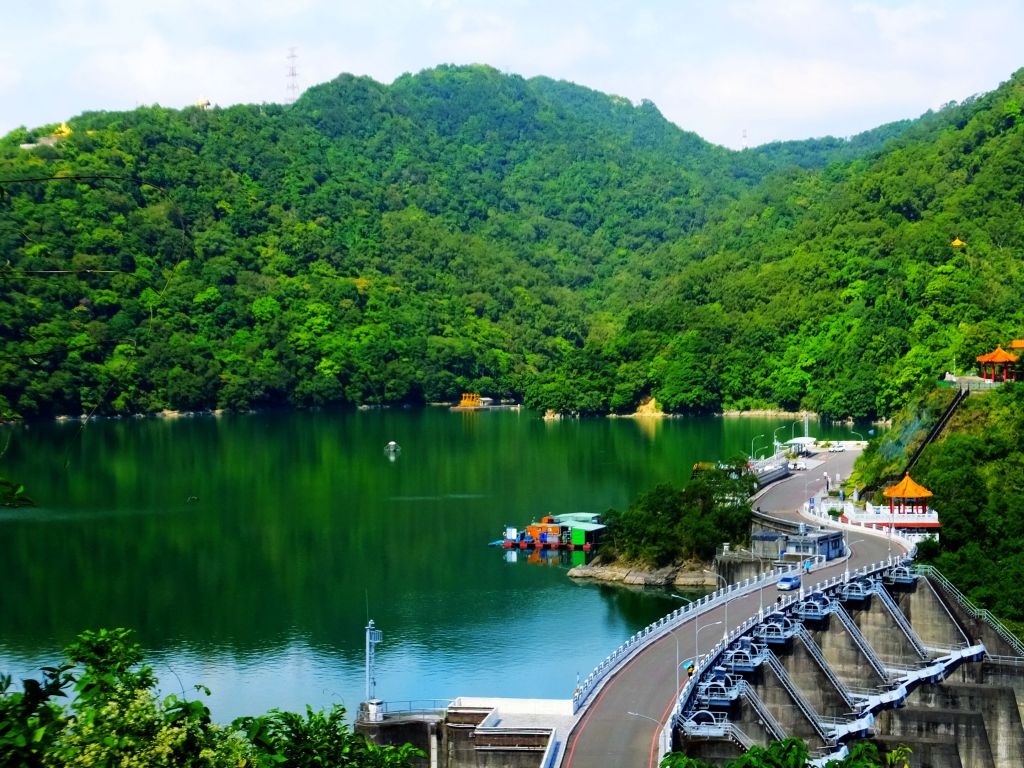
<point x="899" y="656"/>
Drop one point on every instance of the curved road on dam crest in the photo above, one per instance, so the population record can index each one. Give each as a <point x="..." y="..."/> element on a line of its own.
<point x="622" y="725"/>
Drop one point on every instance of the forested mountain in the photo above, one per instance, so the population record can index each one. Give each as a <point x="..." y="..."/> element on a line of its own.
<point x="462" y="229"/>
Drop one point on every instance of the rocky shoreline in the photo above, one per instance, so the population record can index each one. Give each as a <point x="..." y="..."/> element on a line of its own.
<point x="685" y="576"/>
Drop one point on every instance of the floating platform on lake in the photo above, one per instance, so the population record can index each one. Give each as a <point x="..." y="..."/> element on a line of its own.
<point x="578" y="530"/>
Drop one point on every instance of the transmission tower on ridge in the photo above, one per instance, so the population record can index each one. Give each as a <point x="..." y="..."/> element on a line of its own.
<point x="293" y="77"/>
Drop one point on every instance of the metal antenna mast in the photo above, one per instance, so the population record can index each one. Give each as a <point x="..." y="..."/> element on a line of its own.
<point x="373" y="636"/>
<point x="293" y="77"/>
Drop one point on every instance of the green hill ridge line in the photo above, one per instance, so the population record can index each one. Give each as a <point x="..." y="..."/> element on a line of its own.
<point x="466" y="230"/>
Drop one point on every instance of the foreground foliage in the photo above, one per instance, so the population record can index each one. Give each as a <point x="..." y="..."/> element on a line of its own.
<point x="793" y="753"/>
<point x="12" y="494"/>
<point x="116" y="718"/>
<point x="666" y="524"/>
<point x="464" y="230"/>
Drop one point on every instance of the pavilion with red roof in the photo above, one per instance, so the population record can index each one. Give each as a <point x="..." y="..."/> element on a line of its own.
<point x="1001" y="360"/>
<point x="910" y="495"/>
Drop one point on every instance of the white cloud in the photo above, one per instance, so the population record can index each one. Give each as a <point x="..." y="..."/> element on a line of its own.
<point x="784" y="69"/>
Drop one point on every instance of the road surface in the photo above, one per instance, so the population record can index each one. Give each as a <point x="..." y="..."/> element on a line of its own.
<point x="607" y="734"/>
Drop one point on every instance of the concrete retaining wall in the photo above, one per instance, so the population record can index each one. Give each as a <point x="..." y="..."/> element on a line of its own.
<point x="883" y="634"/>
<point x="843" y="655"/>
<point x="812" y="681"/>
<point x="929" y="615"/>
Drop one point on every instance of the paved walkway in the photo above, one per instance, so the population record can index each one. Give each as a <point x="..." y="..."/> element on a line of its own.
<point x="622" y="726"/>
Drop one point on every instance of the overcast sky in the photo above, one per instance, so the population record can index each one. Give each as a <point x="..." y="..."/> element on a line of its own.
<point x="738" y="72"/>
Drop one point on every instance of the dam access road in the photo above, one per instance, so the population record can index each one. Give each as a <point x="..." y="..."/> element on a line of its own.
<point x="620" y="725"/>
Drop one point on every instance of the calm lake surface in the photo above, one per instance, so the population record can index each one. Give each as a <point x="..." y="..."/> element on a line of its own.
<point x="248" y="550"/>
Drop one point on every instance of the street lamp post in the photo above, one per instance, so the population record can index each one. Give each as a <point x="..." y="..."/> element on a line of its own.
<point x="725" y="585"/>
<point x="679" y="664"/>
<point x="696" y="647"/>
<point x="775" y="440"/>
<point x="661" y="738"/>
<point x="807" y="485"/>
<point x="645" y="717"/>
<point x="847" y="546"/>
<point x="792" y="429"/>
<point x="752" y="446"/>
<point x="760" y="587"/>
<point x="695" y="620"/>
<point x="858" y="434"/>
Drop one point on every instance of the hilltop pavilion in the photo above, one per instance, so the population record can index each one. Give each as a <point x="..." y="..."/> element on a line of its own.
<point x="996" y="362"/>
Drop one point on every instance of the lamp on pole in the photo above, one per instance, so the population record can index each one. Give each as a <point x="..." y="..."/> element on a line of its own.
<point x="662" y="743"/>
<point x="695" y="619"/>
<point x="807" y="485"/>
<point x="752" y="445"/>
<point x="725" y="585"/>
<point x="760" y="588"/>
<point x="846" y="575"/>
<point x="775" y="440"/>
<point x="858" y="434"/>
<point x="645" y="717"/>
<point x="696" y="640"/>
<point x="792" y="429"/>
<point x="679" y="664"/>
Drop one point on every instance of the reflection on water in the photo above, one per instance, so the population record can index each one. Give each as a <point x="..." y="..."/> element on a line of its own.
<point x="249" y="551"/>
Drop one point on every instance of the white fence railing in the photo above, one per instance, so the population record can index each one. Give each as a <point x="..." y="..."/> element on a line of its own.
<point x="596" y="679"/>
<point x="907" y="542"/>
<point x="711" y="659"/>
<point x="981" y="614"/>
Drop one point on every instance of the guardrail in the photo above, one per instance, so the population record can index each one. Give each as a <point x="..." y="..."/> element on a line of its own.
<point x="866" y="528"/>
<point x="937" y="427"/>
<point x="595" y="680"/>
<point x="711" y="659"/>
<point x="982" y="614"/>
<point x="901" y="620"/>
<point x="415" y="705"/>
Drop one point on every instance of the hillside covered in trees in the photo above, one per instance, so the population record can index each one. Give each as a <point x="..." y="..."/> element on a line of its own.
<point x="462" y="229"/>
<point x="977" y="471"/>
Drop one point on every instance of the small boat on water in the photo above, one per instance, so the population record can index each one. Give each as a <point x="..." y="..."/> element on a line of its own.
<point x="392" y="449"/>
<point x="575" y="530"/>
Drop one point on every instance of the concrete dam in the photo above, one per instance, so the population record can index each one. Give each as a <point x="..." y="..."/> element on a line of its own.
<point x="899" y="656"/>
<point x="869" y="646"/>
<point x="893" y="653"/>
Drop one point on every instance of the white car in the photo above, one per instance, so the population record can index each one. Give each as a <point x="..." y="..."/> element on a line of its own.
<point x="836" y="448"/>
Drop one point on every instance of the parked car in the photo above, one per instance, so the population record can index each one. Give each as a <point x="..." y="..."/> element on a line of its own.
<point x="798" y="465"/>
<point x="836" y="448"/>
<point x="787" y="583"/>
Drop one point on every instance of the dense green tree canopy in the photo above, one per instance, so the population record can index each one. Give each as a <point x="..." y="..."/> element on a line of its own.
<point x="117" y="718"/>
<point x="976" y="472"/>
<point x="666" y="524"/>
<point x="463" y="229"/>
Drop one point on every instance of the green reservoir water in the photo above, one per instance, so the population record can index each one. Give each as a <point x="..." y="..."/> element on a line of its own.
<point x="248" y="550"/>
